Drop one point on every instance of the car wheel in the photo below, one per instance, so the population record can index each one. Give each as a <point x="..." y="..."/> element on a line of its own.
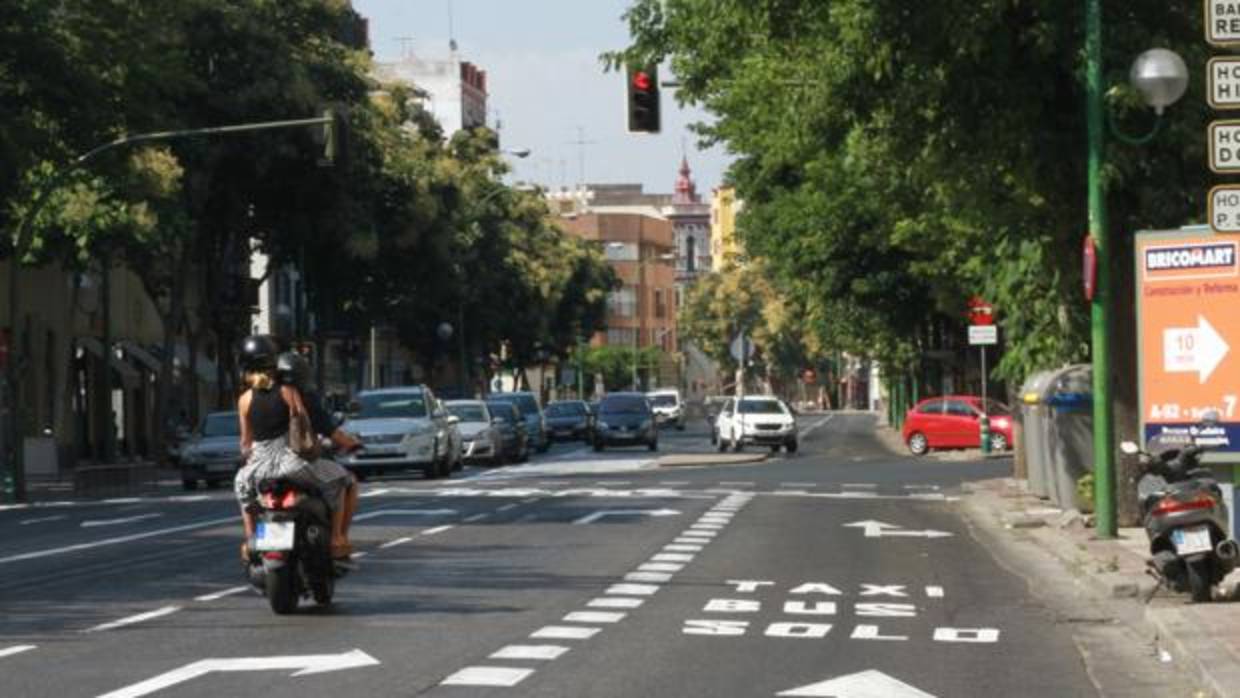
<point x="680" y="426"/>
<point x="775" y="449"/>
<point x="917" y="444"/>
<point x="998" y="443"/>
<point x="737" y="446"/>
<point x="720" y="443"/>
<point x="189" y="485"/>
<point x="791" y="446"/>
<point x="714" y="436"/>
<point x="653" y="445"/>
<point x="598" y="445"/>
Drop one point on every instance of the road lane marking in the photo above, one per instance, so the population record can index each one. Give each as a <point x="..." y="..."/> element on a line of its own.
<point x="934" y="592"/>
<point x="671" y="557"/>
<point x="546" y="652"/>
<point x="117" y="522"/>
<point x="657" y="577"/>
<point x="394" y="543"/>
<point x="487" y="676"/>
<point x="437" y="529"/>
<point x="123" y="500"/>
<point x="16" y="649"/>
<point x="810" y="429"/>
<point x="114" y="541"/>
<point x="508" y="507"/>
<point x="149" y="615"/>
<point x="594" y="617"/>
<point x="477" y="517"/>
<point x="632" y="589"/>
<point x="615" y="602"/>
<point x="565" y="632"/>
<point x="221" y="594"/>
<point x="660" y="567"/>
<point x="375" y="493"/>
<point x="403" y="512"/>
<point x="683" y="548"/>
<point x="42" y="519"/>
<point x="861" y="485"/>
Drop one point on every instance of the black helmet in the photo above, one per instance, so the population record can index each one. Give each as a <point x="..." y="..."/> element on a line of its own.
<point x="258" y="353"/>
<point x="293" y="369"/>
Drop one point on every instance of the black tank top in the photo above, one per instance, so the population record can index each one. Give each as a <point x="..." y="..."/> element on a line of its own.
<point x="269" y="414"/>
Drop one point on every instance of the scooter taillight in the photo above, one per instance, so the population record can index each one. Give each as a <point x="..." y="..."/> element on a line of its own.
<point x="1173" y="506"/>
<point x="286" y="499"/>
<point x="290" y="499"/>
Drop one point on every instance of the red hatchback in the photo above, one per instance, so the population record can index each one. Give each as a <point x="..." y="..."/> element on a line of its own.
<point x="952" y="421"/>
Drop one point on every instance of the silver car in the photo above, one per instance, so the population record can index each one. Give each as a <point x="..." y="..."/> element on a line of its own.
<point x="213" y="453"/>
<point x="402" y="428"/>
<point x="481" y="440"/>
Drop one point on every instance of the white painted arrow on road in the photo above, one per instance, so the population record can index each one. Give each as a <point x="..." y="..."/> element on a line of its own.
<point x="878" y="529"/>
<point x="116" y="522"/>
<point x="591" y="518"/>
<point x="864" y="684"/>
<point x="1197" y="349"/>
<point x="305" y="665"/>
<point x="404" y="512"/>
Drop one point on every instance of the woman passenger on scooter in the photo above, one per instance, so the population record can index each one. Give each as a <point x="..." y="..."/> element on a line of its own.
<point x="265" y="410"/>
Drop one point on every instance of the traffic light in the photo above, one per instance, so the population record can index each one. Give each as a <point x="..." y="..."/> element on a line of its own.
<point x="644" y="99"/>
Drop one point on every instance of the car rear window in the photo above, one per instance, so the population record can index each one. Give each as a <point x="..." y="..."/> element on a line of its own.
<point x="503" y="410"/>
<point x="221" y="424"/>
<point x="994" y="407"/>
<point x="663" y="400"/>
<point x="623" y="405"/>
<point x="526" y="403"/>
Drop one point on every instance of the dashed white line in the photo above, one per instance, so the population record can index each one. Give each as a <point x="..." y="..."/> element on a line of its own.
<point x="660" y="567"/>
<point x="657" y="577"/>
<point x="508" y="507"/>
<point x="862" y="485"/>
<point x="672" y="557"/>
<point x="166" y="610"/>
<point x="221" y="594"/>
<point x="565" y="632"/>
<point x="374" y="493"/>
<point x="683" y="547"/>
<point x="545" y="652"/>
<point x="16" y="649"/>
<point x="394" y="543"/>
<point x="934" y="592"/>
<point x="632" y="589"/>
<point x="476" y="517"/>
<point x="487" y="676"/>
<point x="736" y="484"/>
<point x="594" y="617"/>
<point x="437" y="529"/>
<point x="615" y="602"/>
<point x="42" y="519"/>
<point x="112" y="541"/>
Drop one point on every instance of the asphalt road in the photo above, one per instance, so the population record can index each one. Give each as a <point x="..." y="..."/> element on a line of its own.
<point x="579" y="574"/>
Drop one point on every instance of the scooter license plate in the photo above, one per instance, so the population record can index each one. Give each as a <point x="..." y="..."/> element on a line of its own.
<point x="274" y="535"/>
<point x="1191" y="540"/>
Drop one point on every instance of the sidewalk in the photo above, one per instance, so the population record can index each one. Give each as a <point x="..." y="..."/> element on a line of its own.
<point x="1203" y="637"/>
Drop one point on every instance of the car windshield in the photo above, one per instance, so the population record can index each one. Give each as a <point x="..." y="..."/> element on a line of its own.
<point x="994" y="407"/>
<point x="221" y="424"/>
<point x="503" y="410"/>
<point x="761" y="407"/>
<point x="566" y="409"/>
<point x="623" y="405"/>
<point x="468" y="413"/>
<point x="662" y="400"/>
<point x="391" y="405"/>
<point x="526" y="403"/>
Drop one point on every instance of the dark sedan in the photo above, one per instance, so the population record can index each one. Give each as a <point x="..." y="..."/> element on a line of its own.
<point x="568" y="420"/>
<point x="508" y="422"/>
<point x="625" y="419"/>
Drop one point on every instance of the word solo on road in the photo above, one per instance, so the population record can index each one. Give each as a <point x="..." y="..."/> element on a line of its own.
<point x="805" y="608"/>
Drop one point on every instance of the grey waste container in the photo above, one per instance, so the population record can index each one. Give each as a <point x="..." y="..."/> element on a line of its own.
<point x="1035" y="431"/>
<point x="1070" y="399"/>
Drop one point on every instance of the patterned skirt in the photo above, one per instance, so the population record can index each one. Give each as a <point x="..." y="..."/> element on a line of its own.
<point x="274" y="459"/>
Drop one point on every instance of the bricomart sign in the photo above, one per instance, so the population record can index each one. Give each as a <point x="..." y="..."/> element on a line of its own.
<point x="1191" y="261"/>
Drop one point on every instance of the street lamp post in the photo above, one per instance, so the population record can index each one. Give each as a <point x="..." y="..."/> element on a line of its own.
<point x="1161" y="77"/>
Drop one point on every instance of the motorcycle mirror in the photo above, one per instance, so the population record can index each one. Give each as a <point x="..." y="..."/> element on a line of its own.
<point x="1210" y="417"/>
<point x="1130" y="448"/>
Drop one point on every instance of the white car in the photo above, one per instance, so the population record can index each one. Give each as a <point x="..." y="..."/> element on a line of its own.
<point x="481" y="441"/>
<point x="402" y="428"/>
<point x="668" y="409"/>
<point x="760" y="420"/>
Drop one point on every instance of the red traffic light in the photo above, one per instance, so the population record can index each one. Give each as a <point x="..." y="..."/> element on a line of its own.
<point x="641" y="80"/>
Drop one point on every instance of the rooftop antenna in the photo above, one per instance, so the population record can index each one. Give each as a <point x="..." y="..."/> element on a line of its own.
<point x="451" y="29"/>
<point x="406" y="46"/>
<point x="581" y="144"/>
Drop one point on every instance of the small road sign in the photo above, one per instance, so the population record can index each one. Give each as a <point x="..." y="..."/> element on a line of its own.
<point x="1224" y="208"/>
<point x="1223" y="78"/>
<point x="1223" y="22"/>
<point x="1225" y="146"/>
<point x="981" y="335"/>
<point x="742" y="348"/>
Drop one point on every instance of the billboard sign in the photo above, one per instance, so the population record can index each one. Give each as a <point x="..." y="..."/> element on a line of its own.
<point x="1188" y="287"/>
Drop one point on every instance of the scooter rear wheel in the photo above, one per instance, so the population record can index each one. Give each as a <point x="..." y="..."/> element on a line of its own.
<point x="1199" y="576"/>
<point x="280" y="592"/>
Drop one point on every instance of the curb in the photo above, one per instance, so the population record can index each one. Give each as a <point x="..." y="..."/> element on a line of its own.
<point x="1213" y="663"/>
<point x="680" y="460"/>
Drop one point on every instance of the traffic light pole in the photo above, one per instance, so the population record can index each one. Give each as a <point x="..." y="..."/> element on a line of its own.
<point x="14" y="479"/>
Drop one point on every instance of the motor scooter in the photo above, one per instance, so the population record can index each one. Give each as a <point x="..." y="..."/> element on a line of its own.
<point x="1184" y="516"/>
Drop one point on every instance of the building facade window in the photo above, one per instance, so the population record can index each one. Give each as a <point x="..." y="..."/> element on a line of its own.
<point x="660" y="306"/>
<point x="620" y="251"/>
<point x="621" y="336"/>
<point x="691" y="254"/>
<point x="623" y="302"/>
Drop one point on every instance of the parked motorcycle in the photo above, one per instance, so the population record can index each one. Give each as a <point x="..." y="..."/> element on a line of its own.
<point x="291" y="548"/>
<point x="1184" y="516"/>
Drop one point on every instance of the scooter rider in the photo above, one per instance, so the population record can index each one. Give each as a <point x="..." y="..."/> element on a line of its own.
<point x="264" y="411"/>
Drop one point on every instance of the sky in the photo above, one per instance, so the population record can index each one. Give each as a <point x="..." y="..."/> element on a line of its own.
<point x="548" y="89"/>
